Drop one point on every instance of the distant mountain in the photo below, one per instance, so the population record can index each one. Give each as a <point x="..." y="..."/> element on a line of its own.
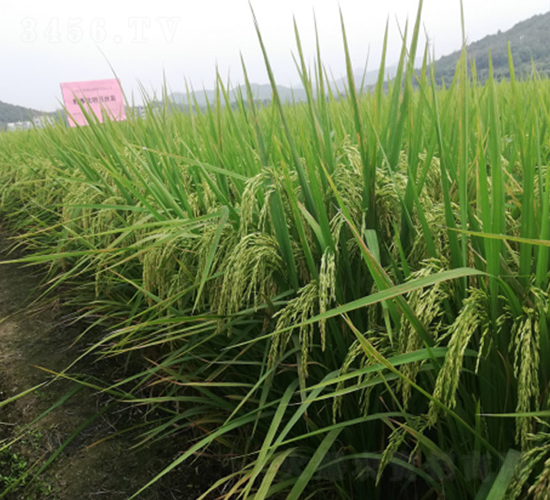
<point x="529" y="41"/>
<point x="264" y="92"/>
<point x="260" y="92"/>
<point x="365" y="79"/>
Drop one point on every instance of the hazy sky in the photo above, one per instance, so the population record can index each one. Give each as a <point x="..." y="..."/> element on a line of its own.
<point x="44" y="43"/>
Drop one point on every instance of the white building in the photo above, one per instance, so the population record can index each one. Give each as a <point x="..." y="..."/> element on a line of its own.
<point x="19" y="126"/>
<point x="43" y="120"/>
<point x="38" y="121"/>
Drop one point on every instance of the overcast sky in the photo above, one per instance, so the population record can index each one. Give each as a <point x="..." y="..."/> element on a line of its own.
<point x="44" y="43"/>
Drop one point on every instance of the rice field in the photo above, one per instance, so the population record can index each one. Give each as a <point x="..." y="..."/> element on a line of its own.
<point x="349" y="295"/>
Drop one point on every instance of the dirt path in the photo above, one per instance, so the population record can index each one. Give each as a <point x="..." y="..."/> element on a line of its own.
<point x="32" y="337"/>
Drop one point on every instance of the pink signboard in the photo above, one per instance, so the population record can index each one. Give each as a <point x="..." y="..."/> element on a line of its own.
<point x="102" y="97"/>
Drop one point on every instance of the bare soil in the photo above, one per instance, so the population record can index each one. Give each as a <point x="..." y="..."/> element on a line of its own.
<point x="35" y="338"/>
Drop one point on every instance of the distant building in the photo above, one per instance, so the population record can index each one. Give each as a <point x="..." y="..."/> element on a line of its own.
<point x="141" y="111"/>
<point x="38" y="121"/>
<point x="43" y="120"/>
<point x="13" y="126"/>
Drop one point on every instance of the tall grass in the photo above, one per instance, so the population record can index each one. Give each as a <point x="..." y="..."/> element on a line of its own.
<point x="349" y="294"/>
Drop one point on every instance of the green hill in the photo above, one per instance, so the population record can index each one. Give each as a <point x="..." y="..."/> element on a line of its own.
<point x="11" y="113"/>
<point x="529" y="41"/>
